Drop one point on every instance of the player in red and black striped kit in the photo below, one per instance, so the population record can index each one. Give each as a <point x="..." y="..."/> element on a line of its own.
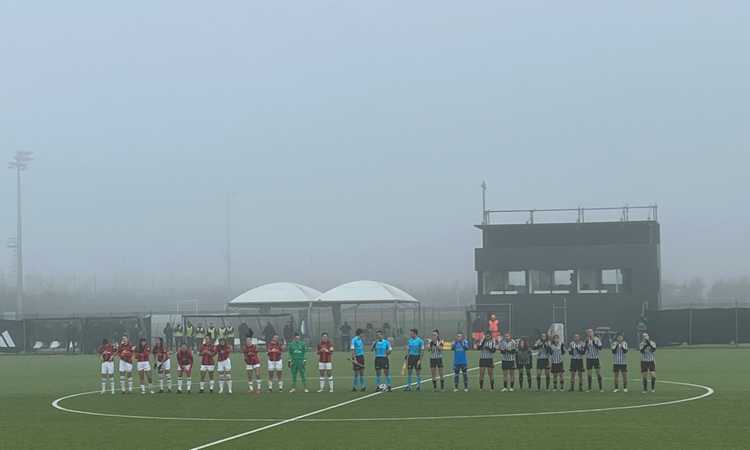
<point x="207" y="352"/>
<point x="163" y="365"/>
<point x="184" y="368"/>
<point x="252" y="365"/>
<point x="125" y="353"/>
<point x="107" y="354"/>
<point x="143" y="356"/>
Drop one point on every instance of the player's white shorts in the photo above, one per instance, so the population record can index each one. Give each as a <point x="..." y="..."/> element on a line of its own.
<point x="144" y="366"/>
<point x="108" y="367"/>
<point x="187" y="368"/>
<point x="125" y="366"/>
<point x="325" y="366"/>
<point x="224" y="366"/>
<point x="166" y="365"/>
<point x="275" y="365"/>
<point x="206" y="368"/>
<point x="252" y="366"/>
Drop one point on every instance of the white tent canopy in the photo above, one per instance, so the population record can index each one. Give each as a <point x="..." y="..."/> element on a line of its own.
<point x="364" y="292"/>
<point x="280" y="294"/>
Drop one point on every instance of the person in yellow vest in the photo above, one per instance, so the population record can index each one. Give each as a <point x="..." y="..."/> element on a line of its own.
<point x="212" y="333"/>
<point x="190" y="334"/>
<point x="179" y="334"/>
<point x="200" y="334"/>
<point x="229" y="335"/>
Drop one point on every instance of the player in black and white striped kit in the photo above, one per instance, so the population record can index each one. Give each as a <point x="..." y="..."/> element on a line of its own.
<point x="577" y="349"/>
<point x="593" y="345"/>
<point x="436" y="360"/>
<point x="620" y="361"/>
<point x="648" y="362"/>
<point x="508" y="349"/>
<point x="542" y="360"/>
<point x="556" y="350"/>
<point x="487" y="349"/>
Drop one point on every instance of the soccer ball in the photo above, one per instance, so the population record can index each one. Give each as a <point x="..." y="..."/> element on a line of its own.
<point x="383" y="387"/>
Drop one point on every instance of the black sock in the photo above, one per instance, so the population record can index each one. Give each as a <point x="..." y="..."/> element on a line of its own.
<point x="520" y="380"/>
<point x="554" y="383"/>
<point x="645" y="383"/>
<point x="562" y="384"/>
<point x="528" y="377"/>
<point x="624" y="381"/>
<point x="442" y="383"/>
<point x="589" y="380"/>
<point x="512" y="383"/>
<point x="492" y="383"/>
<point x="539" y="382"/>
<point x="434" y="384"/>
<point x="599" y="381"/>
<point x="505" y="384"/>
<point x="481" y="383"/>
<point x="466" y="380"/>
<point x="653" y="383"/>
<point x="546" y="377"/>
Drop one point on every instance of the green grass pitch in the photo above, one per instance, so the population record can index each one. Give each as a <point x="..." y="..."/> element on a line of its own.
<point x="719" y="421"/>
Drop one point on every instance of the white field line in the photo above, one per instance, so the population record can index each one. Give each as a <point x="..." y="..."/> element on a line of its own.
<point x="305" y="417"/>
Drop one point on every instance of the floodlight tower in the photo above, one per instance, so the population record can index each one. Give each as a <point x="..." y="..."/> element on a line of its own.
<point x="19" y="163"/>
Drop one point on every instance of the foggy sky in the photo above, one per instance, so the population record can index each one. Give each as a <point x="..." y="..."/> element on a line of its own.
<point x="354" y="135"/>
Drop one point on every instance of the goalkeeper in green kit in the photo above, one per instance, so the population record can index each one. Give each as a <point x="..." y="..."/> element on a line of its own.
<point x="297" y="350"/>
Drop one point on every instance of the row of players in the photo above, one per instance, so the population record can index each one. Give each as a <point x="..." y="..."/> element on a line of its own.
<point x="516" y="355"/>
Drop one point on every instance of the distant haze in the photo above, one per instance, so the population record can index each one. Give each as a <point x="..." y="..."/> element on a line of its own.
<point x="354" y="136"/>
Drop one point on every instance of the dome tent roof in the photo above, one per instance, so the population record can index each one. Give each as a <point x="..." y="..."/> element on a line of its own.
<point x="273" y="293"/>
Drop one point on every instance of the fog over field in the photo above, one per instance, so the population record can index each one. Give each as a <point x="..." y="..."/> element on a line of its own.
<point x="349" y="139"/>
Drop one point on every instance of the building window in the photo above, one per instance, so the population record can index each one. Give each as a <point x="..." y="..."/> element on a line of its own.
<point x="566" y="281"/>
<point x="542" y="281"/>
<point x="508" y="282"/>
<point x="589" y="281"/>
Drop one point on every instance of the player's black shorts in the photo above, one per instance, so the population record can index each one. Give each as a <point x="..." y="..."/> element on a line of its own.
<point x="381" y="362"/>
<point x="508" y="365"/>
<point x="414" y="362"/>
<point x="648" y="366"/>
<point x="486" y="362"/>
<point x="592" y="363"/>
<point x="576" y="365"/>
<point x="542" y="363"/>
<point x="620" y="368"/>
<point x="558" y="368"/>
<point x="524" y="366"/>
<point x="359" y="362"/>
<point x="436" y="362"/>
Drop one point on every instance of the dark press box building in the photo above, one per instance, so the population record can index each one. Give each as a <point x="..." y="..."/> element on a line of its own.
<point x="584" y="274"/>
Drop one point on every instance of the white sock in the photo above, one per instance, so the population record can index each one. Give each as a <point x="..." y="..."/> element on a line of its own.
<point x="203" y="385"/>
<point x="112" y="384"/>
<point x="330" y="382"/>
<point x="161" y="382"/>
<point x="221" y="383"/>
<point x="143" y="388"/>
<point x="122" y="385"/>
<point x="322" y="383"/>
<point x="211" y="384"/>
<point x="169" y="381"/>
<point x="104" y="384"/>
<point x="281" y="385"/>
<point x="250" y="385"/>
<point x="179" y="384"/>
<point x="130" y="385"/>
<point x="189" y="384"/>
<point x="258" y="384"/>
<point x="229" y="385"/>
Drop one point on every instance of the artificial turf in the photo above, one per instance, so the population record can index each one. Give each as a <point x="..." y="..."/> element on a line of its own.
<point x="719" y="421"/>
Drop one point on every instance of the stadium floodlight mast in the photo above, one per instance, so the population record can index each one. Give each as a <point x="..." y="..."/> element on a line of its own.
<point x="19" y="163"/>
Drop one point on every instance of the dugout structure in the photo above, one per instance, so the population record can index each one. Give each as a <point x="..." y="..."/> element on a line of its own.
<point x="583" y="267"/>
